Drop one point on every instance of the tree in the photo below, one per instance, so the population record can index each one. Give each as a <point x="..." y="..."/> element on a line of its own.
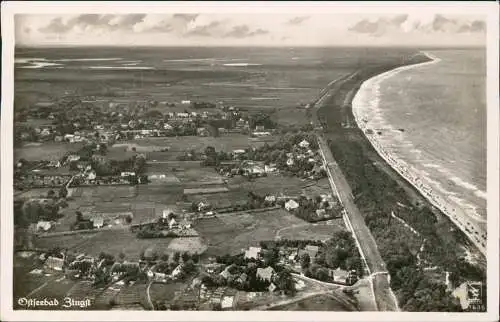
<point x="164" y="257"/>
<point x="51" y="194"/>
<point x="185" y="256"/>
<point x="176" y="257"/>
<point x="305" y="261"/>
<point x="121" y="256"/>
<point x="79" y="216"/>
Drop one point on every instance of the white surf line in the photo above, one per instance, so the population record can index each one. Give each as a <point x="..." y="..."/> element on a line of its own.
<point x="392" y="160"/>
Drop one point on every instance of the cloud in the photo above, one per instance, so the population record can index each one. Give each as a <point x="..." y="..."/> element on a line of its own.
<point x="186" y="17"/>
<point x="243" y="31"/>
<point x="297" y="20"/>
<point x="106" y="22"/>
<point x="204" y="30"/>
<point x="380" y="26"/>
<point x="475" y="26"/>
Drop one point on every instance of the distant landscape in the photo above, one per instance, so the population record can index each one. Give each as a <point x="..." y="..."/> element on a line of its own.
<point x="196" y="179"/>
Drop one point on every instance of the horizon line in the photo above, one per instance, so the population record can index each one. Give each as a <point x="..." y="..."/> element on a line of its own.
<point x="54" y="46"/>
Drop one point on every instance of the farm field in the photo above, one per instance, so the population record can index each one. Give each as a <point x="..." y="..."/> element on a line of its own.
<point x="316" y="303"/>
<point x="232" y="234"/>
<point x="321" y="231"/>
<point x="110" y="241"/>
<point x="186" y="143"/>
<point x="45" y="151"/>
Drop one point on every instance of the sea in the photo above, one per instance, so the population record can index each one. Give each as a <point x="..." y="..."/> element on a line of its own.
<point x="433" y="119"/>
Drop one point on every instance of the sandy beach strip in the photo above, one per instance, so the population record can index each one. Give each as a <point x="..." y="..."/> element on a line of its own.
<point x="468" y="222"/>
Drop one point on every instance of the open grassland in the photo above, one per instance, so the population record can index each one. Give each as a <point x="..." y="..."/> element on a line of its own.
<point x="45" y="151"/>
<point x="110" y="241"/>
<point x="322" y="231"/>
<point x="233" y="233"/>
<point x="316" y="303"/>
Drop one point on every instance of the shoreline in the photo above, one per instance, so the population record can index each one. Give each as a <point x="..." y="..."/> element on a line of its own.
<point x="458" y="216"/>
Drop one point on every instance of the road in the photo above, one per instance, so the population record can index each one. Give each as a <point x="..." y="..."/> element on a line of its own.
<point x="375" y="265"/>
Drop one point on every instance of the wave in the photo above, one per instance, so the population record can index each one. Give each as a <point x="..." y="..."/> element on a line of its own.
<point x="40" y="65"/>
<point x="120" y="67"/>
<point x="241" y="64"/>
<point x="86" y="59"/>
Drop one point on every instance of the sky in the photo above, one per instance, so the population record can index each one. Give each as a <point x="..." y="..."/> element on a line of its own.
<point x="253" y="29"/>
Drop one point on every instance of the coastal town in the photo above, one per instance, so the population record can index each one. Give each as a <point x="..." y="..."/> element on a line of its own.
<point x="164" y="192"/>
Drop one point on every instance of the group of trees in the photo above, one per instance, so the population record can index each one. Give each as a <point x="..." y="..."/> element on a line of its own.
<point x="31" y="211"/>
<point x="308" y="206"/>
<point x="340" y="252"/>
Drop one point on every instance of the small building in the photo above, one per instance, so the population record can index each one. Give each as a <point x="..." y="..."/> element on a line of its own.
<point x="167" y="126"/>
<point x="291" y="205"/>
<point x="272" y="287"/>
<point x="43" y="225"/>
<point x="320" y="212"/>
<point x="185" y="102"/>
<point x="238" y="151"/>
<point x="176" y="272"/>
<point x="201" y="131"/>
<point x="227" y="302"/>
<point x="270" y="198"/>
<point x="252" y="252"/>
<point x="91" y="176"/>
<point x="54" y="263"/>
<point x="289" y="162"/>
<point x="173" y="224"/>
<point x="127" y="174"/>
<point x="265" y="274"/>
<point x="339" y="275"/>
<point x="304" y="144"/>
<point x="97" y="222"/>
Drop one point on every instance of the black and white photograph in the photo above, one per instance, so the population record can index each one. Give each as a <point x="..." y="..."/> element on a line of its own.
<point x="320" y="161"/>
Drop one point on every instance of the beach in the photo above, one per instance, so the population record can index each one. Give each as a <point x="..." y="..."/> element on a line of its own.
<point x="364" y="108"/>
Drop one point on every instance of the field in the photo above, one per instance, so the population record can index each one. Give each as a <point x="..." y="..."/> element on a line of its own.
<point x="316" y="303"/>
<point x="322" y="231"/>
<point x="110" y="241"/>
<point x="233" y="233"/>
<point x="45" y="151"/>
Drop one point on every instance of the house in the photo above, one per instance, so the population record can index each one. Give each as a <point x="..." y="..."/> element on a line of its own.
<point x="289" y="162"/>
<point x="92" y="175"/>
<point x="270" y="198"/>
<point x="54" y="164"/>
<point x="259" y="128"/>
<point x="167" y="126"/>
<point x="185" y="102"/>
<point x="203" y="206"/>
<point x="97" y="222"/>
<point x="252" y="252"/>
<point x="54" y="263"/>
<point x="173" y="224"/>
<point x="127" y="174"/>
<point x="227" y="302"/>
<point x="176" y="272"/>
<point x="183" y="115"/>
<point x="225" y="273"/>
<point x="72" y="158"/>
<point x="43" y="225"/>
<point x="201" y="131"/>
<point x="272" y="287"/>
<point x="320" y="212"/>
<point x="291" y="205"/>
<point x="238" y="151"/>
<point x="160" y="277"/>
<point x="270" y="169"/>
<point x="304" y="144"/>
<point x="265" y="274"/>
<point x="242" y="279"/>
<point x="339" y="275"/>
